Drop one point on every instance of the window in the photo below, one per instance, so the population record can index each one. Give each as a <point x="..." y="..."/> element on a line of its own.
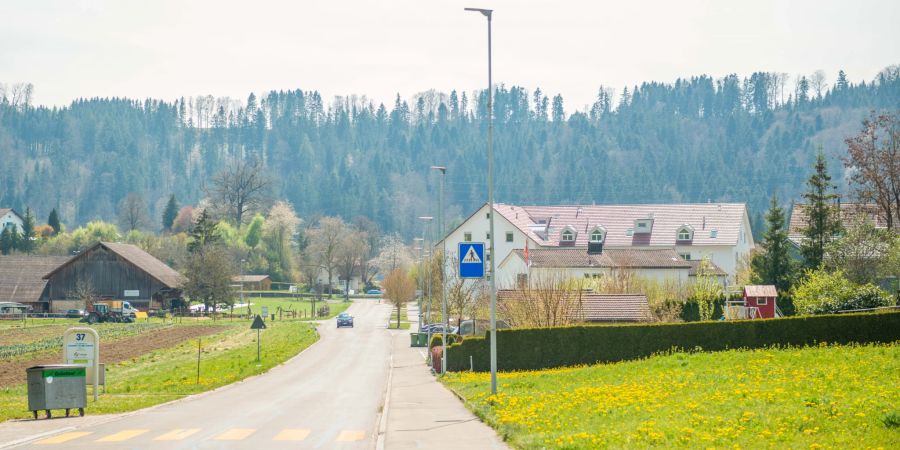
<point x="643" y="226"/>
<point x="467" y="237"/>
<point x="522" y="280"/>
<point x="592" y="275"/>
<point x="629" y="232"/>
<point x="487" y="216"/>
<point x="762" y="301"/>
<point x="713" y="233"/>
<point x="509" y="236"/>
<point x="488" y="235"/>
<point x="567" y="235"/>
<point x="597" y="235"/>
<point x="685" y="256"/>
<point x="685" y="234"/>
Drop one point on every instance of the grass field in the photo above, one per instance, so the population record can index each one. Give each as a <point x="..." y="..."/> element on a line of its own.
<point x="163" y="374"/>
<point x="302" y="306"/>
<point x="822" y="397"/>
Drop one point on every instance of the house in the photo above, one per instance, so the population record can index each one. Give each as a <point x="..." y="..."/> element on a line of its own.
<point x="763" y="299"/>
<point x="22" y="279"/>
<point x="253" y="282"/>
<point x="615" y="308"/>
<point x="12" y="220"/>
<point x="659" y="264"/>
<point x="851" y="213"/>
<point x="119" y="271"/>
<point x="718" y="231"/>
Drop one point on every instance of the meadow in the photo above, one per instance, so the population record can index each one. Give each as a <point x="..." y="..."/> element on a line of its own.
<point x="152" y="374"/>
<point x="813" y="397"/>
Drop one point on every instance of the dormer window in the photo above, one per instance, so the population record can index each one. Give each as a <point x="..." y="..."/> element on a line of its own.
<point x="597" y="235"/>
<point x="643" y="226"/>
<point x="685" y="233"/>
<point x="714" y="233"/>
<point x="567" y="236"/>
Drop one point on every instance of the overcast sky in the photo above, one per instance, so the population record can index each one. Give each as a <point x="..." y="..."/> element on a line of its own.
<point x="167" y="49"/>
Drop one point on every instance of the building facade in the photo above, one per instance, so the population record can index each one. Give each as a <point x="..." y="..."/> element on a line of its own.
<point x="10" y="219"/>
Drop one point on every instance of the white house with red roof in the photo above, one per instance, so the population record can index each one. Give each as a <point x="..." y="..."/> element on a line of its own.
<point x="693" y="231"/>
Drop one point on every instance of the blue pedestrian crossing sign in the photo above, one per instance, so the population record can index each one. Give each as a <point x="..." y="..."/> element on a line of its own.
<point x="471" y="259"/>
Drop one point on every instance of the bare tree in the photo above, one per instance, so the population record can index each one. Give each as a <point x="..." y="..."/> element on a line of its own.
<point x="393" y="255"/>
<point x="132" y="212"/>
<point x="547" y="300"/>
<point x="240" y="189"/>
<point x="817" y="82"/>
<point x="463" y="295"/>
<point x="873" y="158"/>
<point x="353" y="247"/>
<point x="399" y="289"/>
<point x="324" y="242"/>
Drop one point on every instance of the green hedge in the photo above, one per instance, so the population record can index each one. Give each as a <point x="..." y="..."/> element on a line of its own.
<point x="541" y="348"/>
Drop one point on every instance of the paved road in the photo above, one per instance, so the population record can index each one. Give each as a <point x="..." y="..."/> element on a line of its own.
<point x="330" y="397"/>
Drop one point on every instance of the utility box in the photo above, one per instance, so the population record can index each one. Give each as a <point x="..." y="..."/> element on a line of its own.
<point x="57" y="386"/>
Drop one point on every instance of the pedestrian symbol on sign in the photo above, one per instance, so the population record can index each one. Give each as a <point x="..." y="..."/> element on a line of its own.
<point x="471" y="260"/>
<point x="472" y="256"/>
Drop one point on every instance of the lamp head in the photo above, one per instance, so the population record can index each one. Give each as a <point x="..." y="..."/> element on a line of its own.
<point x="441" y="168"/>
<point x="485" y="12"/>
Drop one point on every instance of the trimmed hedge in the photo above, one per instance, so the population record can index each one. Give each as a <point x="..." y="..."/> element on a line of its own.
<point x="541" y="348"/>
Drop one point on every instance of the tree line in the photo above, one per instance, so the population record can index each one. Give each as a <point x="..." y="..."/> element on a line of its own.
<point x="697" y="139"/>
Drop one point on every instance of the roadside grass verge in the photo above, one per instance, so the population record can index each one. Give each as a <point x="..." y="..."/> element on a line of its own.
<point x="404" y="319"/>
<point x="813" y="397"/>
<point x="170" y="373"/>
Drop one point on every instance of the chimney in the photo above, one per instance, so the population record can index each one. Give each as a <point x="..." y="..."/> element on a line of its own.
<point x="704" y="223"/>
<point x="577" y="212"/>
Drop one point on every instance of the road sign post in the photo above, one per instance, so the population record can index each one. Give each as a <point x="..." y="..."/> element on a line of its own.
<point x="471" y="259"/>
<point x="257" y="325"/>
<point x="81" y="345"/>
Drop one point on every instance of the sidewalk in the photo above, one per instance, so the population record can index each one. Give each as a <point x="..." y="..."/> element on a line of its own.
<point x="421" y="413"/>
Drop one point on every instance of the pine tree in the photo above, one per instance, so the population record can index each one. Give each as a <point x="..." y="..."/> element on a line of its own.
<point x="25" y="243"/>
<point x="774" y="265"/>
<point x="53" y="221"/>
<point x="170" y="213"/>
<point x="203" y="233"/>
<point x="7" y="243"/>
<point x="823" y="218"/>
<point x="841" y="84"/>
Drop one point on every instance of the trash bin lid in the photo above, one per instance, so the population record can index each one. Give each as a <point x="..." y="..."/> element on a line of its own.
<point x="55" y="366"/>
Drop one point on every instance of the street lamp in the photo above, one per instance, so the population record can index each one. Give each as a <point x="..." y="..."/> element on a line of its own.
<point x="490" y="150"/>
<point x="419" y="280"/>
<point x="440" y="233"/>
<point x="426" y="220"/>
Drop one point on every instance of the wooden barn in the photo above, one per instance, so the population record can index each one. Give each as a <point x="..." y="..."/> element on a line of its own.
<point x="22" y="279"/>
<point x="118" y="271"/>
<point x="253" y="282"/>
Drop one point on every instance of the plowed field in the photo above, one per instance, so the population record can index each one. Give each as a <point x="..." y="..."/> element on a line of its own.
<point x="13" y="372"/>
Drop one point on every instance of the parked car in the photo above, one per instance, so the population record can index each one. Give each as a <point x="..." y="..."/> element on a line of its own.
<point x="344" y="320"/>
<point x="74" y="314"/>
<point x="374" y="292"/>
<point x="479" y="327"/>
<point x="436" y="328"/>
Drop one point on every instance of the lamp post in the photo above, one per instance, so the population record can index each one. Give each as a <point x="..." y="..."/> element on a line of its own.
<point x="490" y="156"/>
<point x="419" y="280"/>
<point x="425" y="253"/>
<point x="440" y="234"/>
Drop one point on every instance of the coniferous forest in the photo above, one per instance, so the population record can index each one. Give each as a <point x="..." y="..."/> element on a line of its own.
<point x="730" y="139"/>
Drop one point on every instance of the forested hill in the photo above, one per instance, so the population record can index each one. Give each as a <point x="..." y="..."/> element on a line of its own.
<point x="730" y="139"/>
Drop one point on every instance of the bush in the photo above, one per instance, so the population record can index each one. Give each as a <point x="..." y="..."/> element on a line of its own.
<point x="824" y="292"/>
<point x="541" y="348"/>
<point x="437" y="339"/>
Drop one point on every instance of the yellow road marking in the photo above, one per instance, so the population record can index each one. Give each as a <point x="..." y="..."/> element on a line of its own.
<point x="177" y="434"/>
<point x="123" y="435"/>
<point x="347" y="436"/>
<point x="65" y="437"/>
<point x="235" y="434"/>
<point x="291" y="434"/>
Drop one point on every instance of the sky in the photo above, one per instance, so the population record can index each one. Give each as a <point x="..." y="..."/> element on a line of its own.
<point x="167" y="49"/>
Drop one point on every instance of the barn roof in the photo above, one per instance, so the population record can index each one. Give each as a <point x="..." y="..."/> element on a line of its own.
<point x="766" y="290"/>
<point x="615" y="307"/>
<point x="21" y="276"/>
<point x="137" y="257"/>
<point x="249" y="278"/>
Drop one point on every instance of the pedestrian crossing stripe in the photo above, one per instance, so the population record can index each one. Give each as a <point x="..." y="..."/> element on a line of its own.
<point x="291" y="434"/>
<point x="349" y="436"/>
<point x="235" y="434"/>
<point x="177" y="434"/>
<point x="65" y="437"/>
<point x="123" y="435"/>
<point x="471" y="256"/>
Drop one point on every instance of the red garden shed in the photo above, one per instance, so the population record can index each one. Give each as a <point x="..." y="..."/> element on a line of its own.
<point x="761" y="297"/>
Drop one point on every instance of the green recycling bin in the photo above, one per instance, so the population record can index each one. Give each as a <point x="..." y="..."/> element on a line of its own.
<point x="423" y="340"/>
<point x="56" y="386"/>
<point x="413" y="339"/>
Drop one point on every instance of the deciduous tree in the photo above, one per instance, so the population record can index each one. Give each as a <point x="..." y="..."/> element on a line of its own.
<point x="241" y="188"/>
<point x="873" y="159"/>
<point x="399" y="289"/>
<point x="132" y="212"/>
